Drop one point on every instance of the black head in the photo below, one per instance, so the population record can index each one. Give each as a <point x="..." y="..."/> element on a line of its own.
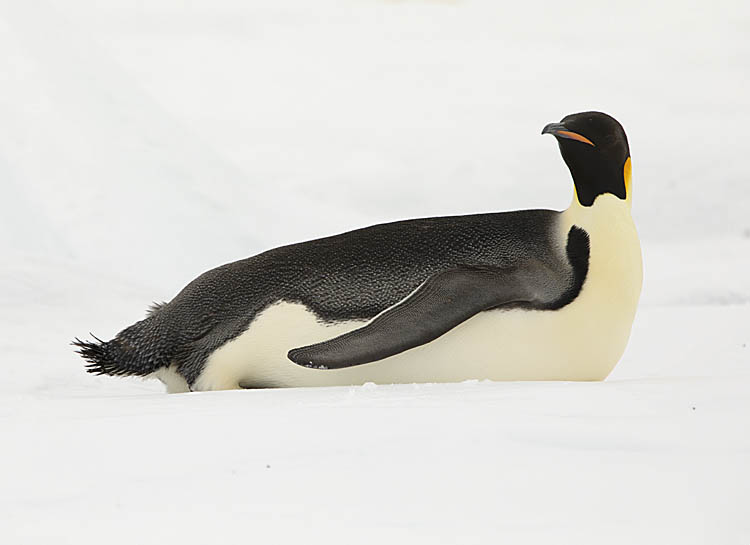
<point x="595" y="148"/>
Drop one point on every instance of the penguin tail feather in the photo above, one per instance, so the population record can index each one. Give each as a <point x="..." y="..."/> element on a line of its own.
<point x="134" y="351"/>
<point x="97" y="355"/>
<point x="154" y="307"/>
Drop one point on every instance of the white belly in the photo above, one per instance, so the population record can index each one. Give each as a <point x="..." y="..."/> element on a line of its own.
<point x="582" y="341"/>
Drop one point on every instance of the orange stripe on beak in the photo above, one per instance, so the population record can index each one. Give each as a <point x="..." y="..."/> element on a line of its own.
<point x="575" y="136"/>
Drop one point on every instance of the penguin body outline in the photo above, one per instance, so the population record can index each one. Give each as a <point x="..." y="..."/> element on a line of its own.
<point x="521" y="295"/>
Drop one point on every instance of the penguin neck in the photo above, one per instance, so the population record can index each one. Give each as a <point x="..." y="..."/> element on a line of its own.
<point x="605" y="186"/>
<point x="606" y="207"/>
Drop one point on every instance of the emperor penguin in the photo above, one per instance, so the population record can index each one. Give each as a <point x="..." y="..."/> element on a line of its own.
<point x="519" y="295"/>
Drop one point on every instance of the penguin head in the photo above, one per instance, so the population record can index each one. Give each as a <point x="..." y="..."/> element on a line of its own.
<point x="595" y="148"/>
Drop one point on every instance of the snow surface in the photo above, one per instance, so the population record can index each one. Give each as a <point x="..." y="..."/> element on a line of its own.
<point x="142" y="143"/>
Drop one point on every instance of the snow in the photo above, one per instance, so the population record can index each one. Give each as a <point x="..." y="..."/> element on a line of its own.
<point x="143" y="143"/>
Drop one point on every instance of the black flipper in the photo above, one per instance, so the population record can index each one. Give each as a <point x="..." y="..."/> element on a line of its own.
<point x="441" y="303"/>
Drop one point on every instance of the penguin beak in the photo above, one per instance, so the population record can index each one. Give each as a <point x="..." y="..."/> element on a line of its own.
<point x="561" y="131"/>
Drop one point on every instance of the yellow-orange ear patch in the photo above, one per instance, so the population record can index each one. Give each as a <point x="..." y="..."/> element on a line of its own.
<point x="575" y="136"/>
<point x="627" y="174"/>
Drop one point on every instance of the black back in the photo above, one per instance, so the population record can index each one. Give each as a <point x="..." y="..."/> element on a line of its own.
<point x="351" y="276"/>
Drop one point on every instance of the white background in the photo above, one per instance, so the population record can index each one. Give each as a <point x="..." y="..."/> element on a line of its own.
<point x="142" y="143"/>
